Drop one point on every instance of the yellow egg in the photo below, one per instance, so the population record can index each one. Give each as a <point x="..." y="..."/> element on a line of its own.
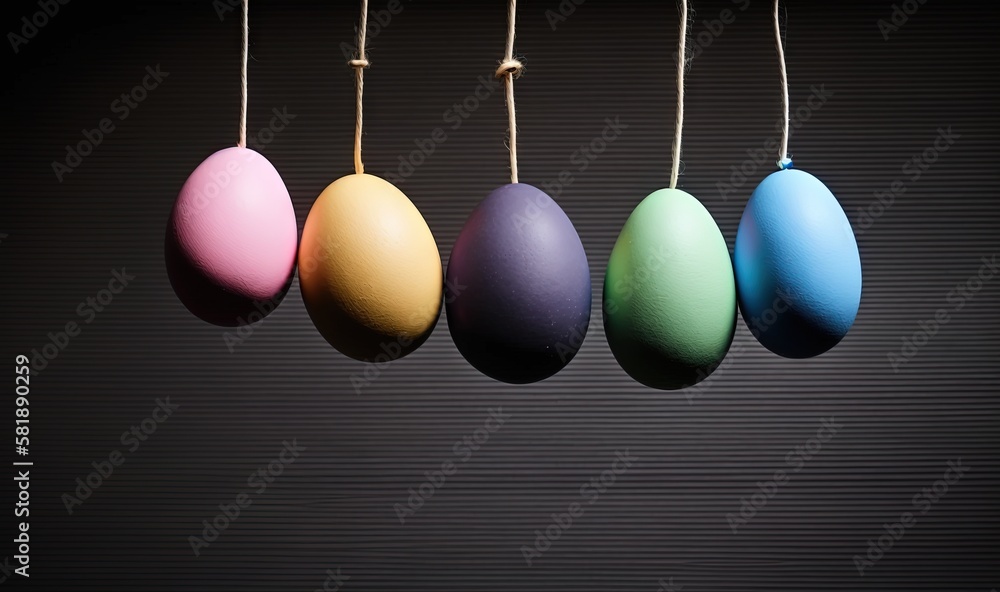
<point x="369" y="269"/>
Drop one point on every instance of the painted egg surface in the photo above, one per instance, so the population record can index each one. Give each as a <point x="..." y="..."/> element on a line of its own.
<point x="669" y="293"/>
<point x="369" y="270"/>
<point x="798" y="270"/>
<point x="518" y="286"/>
<point x="231" y="240"/>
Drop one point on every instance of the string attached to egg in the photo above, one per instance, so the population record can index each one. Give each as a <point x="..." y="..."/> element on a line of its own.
<point x="369" y="268"/>
<point x="798" y="269"/>
<point x="244" y="83"/>
<point x="784" y="161"/>
<point x="231" y="238"/>
<point x="359" y="64"/>
<point x="509" y="69"/>
<point x="669" y="294"/>
<point x="518" y="290"/>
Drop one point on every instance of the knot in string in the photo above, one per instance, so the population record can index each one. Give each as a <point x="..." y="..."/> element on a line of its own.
<point x="512" y="67"/>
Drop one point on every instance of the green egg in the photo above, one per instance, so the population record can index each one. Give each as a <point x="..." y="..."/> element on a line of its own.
<point x="670" y="293"/>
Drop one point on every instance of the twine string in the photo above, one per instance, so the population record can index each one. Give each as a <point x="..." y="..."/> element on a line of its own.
<point x="509" y="69"/>
<point x="783" y="161"/>
<point x="679" y="121"/>
<point x="359" y="64"/>
<point x="242" y="143"/>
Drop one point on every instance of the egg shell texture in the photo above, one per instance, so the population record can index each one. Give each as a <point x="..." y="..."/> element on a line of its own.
<point x="519" y="290"/>
<point x="798" y="269"/>
<point x="232" y="237"/>
<point x="669" y="292"/>
<point x="369" y="269"/>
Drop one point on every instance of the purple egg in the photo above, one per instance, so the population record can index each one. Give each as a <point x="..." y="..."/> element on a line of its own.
<point x="518" y="286"/>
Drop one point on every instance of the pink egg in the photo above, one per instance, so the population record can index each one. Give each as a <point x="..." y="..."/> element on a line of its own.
<point x="232" y="238"/>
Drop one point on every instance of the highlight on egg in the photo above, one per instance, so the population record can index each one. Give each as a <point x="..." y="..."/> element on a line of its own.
<point x="798" y="269"/>
<point x="231" y="239"/>
<point x="518" y="287"/>
<point x="669" y="293"/>
<point x="369" y="270"/>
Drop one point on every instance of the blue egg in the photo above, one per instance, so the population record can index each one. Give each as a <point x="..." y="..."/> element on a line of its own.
<point x="798" y="270"/>
<point x="518" y="287"/>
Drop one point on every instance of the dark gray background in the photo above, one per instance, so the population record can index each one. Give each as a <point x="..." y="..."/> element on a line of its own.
<point x="666" y="516"/>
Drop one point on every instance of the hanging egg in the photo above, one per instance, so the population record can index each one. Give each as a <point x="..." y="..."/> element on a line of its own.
<point x="669" y="295"/>
<point x="369" y="269"/>
<point x="798" y="271"/>
<point x="231" y="239"/>
<point x="518" y="287"/>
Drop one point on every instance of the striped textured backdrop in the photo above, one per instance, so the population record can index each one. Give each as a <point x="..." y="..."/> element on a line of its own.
<point x="663" y="524"/>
